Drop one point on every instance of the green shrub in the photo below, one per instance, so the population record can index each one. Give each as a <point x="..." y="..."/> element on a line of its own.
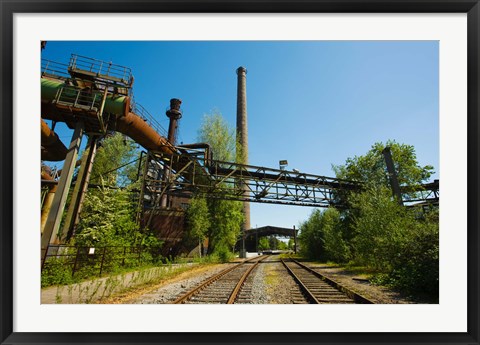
<point x="56" y="272"/>
<point x="335" y="245"/>
<point x="393" y="240"/>
<point x="223" y="254"/>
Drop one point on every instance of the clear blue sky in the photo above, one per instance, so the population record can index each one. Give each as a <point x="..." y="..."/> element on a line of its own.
<point x="313" y="103"/>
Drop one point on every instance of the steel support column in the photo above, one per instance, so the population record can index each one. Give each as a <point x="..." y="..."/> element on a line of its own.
<point x="294" y="240"/>
<point x="52" y="225"/>
<point x="392" y="175"/>
<point x="80" y="188"/>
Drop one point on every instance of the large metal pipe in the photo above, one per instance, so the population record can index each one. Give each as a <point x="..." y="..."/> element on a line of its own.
<point x="141" y="132"/>
<point x="242" y="133"/>
<point x="50" y="89"/>
<point x="52" y="148"/>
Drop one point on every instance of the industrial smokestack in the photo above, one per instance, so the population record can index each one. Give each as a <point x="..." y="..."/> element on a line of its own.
<point x="242" y="133"/>
<point x="174" y="114"/>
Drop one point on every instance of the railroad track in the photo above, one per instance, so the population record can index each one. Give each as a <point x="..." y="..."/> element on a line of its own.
<point x="224" y="287"/>
<point x="316" y="288"/>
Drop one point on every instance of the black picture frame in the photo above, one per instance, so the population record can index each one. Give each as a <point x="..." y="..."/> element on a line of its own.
<point x="10" y="7"/>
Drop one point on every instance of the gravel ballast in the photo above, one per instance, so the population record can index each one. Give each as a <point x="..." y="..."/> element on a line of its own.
<point x="269" y="283"/>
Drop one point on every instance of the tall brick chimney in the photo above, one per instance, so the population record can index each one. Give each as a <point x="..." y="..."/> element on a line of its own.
<point x="242" y="132"/>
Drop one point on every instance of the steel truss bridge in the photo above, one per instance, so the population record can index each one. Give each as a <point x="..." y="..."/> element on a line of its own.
<point x="191" y="171"/>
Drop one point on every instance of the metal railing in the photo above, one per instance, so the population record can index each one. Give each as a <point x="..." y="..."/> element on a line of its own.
<point x="54" y="68"/>
<point x="101" y="69"/>
<point x="144" y="114"/>
<point x="94" y="261"/>
<point x="77" y="98"/>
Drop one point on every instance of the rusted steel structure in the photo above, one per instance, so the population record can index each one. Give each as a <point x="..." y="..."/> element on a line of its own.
<point x="91" y="97"/>
<point x="94" y="97"/>
<point x="100" y="96"/>
<point x="193" y="171"/>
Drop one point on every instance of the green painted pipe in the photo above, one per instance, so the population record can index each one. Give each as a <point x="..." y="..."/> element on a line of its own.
<point x="113" y="104"/>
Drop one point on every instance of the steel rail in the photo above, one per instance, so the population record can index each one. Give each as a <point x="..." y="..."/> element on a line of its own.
<point x="209" y="281"/>
<point x="236" y="291"/>
<point x="303" y="287"/>
<point x="357" y="298"/>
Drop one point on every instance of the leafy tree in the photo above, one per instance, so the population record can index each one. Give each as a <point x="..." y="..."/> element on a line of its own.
<point x="335" y="243"/>
<point x="383" y="235"/>
<point x="198" y="221"/>
<point x="371" y="169"/>
<point x="263" y="243"/>
<point x="111" y="161"/>
<point x="291" y="244"/>
<point x="226" y="217"/>
<point x="393" y="240"/>
<point x="271" y="242"/>
<point x="312" y="237"/>
<point x="322" y="236"/>
<point x="381" y="226"/>
<point x="374" y="230"/>
<point x="216" y="132"/>
<point x="281" y="245"/>
<point x="108" y="219"/>
<point x="108" y="215"/>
